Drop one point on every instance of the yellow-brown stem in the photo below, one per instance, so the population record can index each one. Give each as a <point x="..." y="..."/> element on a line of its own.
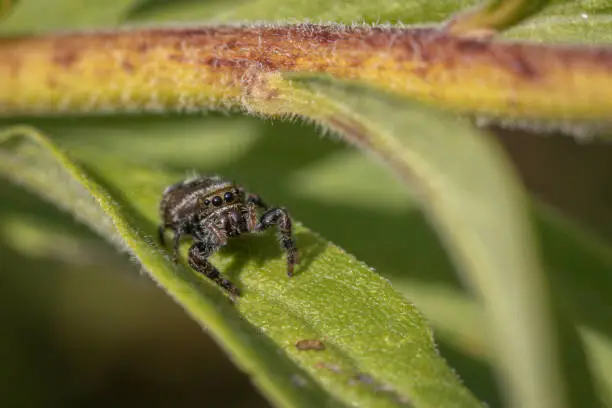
<point x="211" y="67"/>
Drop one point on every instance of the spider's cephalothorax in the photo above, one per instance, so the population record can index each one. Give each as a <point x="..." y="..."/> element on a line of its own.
<point x="212" y="210"/>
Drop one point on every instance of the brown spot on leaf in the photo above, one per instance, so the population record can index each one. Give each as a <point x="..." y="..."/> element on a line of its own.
<point x="309" y="344"/>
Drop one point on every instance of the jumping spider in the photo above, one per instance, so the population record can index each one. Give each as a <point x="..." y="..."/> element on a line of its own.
<point x="212" y="210"/>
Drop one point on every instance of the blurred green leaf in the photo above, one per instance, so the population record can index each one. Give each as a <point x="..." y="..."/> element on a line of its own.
<point x="378" y="346"/>
<point x="37" y="16"/>
<point x="578" y="267"/>
<point x="581" y="21"/>
<point x="493" y="16"/>
<point x="339" y="11"/>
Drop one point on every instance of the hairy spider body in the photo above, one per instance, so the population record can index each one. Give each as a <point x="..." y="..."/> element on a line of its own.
<point x="183" y="205"/>
<point x="211" y="210"/>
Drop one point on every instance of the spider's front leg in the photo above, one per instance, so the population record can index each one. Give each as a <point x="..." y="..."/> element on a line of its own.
<point x="161" y="230"/>
<point x="178" y="232"/>
<point x="280" y="218"/>
<point x="198" y="260"/>
<point x="256" y="200"/>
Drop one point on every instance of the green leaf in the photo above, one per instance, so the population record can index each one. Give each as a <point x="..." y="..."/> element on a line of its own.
<point x="337" y="191"/>
<point x="475" y="201"/>
<point x="370" y="331"/>
<point x="37" y="16"/>
<point x="578" y="267"/>
<point x="344" y="192"/>
<point x="568" y="21"/>
<point x="340" y="11"/>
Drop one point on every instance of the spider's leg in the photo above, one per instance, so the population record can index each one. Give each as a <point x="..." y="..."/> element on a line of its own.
<point x="177" y="240"/>
<point x="280" y="218"/>
<point x="160" y="234"/>
<point x="198" y="260"/>
<point x="250" y="216"/>
<point x="256" y="199"/>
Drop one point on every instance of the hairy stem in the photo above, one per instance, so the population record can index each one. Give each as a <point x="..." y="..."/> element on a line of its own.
<point x="216" y="67"/>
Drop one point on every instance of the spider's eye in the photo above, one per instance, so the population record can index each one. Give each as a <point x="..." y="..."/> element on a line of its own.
<point x="206" y="202"/>
<point x="228" y="196"/>
<point x="217" y="201"/>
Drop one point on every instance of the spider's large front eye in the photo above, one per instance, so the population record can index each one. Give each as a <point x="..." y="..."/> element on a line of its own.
<point x="228" y="196"/>
<point x="217" y="201"/>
